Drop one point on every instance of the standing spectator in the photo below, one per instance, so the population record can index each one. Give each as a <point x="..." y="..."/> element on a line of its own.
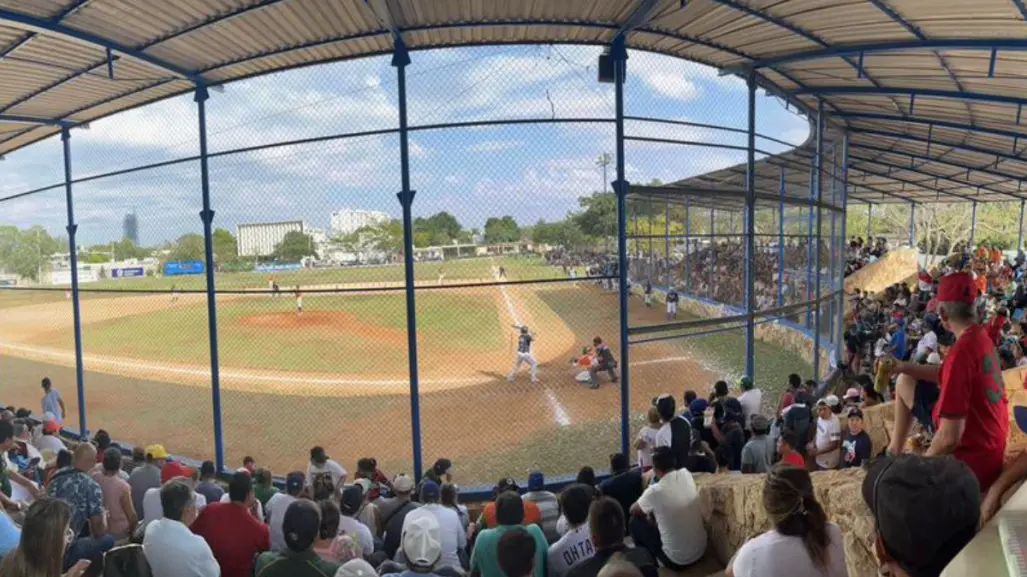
<point x="441" y="471"/>
<point x="398" y="507"/>
<point x="88" y="519"/>
<point x="758" y="453"/>
<point x="548" y="505"/>
<point x="675" y="433"/>
<point x="232" y="532"/>
<point x="352" y="496"/>
<point x="926" y="509"/>
<point x="421" y="548"/>
<point x="279" y="503"/>
<point x="576" y="544"/>
<point x="667" y="520"/>
<point x="828" y="441"/>
<point x="301" y="525"/>
<point x="897" y="344"/>
<point x="44" y="538"/>
<point x="170" y="547"/>
<point x="750" y="399"/>
<point x="606" y="524"/>
<point x="453" y="538"/>
<point x="53" y="403"/>
<point x="788" y="397"/>
<point x="449" y="500"/>
<point x="367" y="468"/>
<point x="147" y="476"/>
<point x="646" y="441"/>
<point x="625" y="485"/>
<point x="210" y="490"/>
<point x="264" y="486"/>
<point x="509" y="516"/>
<point x="728" y="432"/>
<point x="856" y="447"/>
<point x="802" y="542"/>
<point x="50" y="439"/>
<point x="324" y="475"/>
<point x="117" y="496"/>
<point x="249" y="465"/>
<point x="487" y="519"/>
<point x="971" y="414"/>
<point x="516" y="554"/>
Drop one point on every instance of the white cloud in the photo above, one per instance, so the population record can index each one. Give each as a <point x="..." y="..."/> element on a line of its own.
<point x="494" y="145"/>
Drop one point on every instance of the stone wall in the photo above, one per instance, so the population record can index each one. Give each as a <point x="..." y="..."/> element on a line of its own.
<point x="896" y="266"/>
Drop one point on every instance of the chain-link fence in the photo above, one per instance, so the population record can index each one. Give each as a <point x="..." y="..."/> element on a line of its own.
<point x="487" y="326"/>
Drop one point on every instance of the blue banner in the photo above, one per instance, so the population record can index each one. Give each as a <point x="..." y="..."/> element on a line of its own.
<point x="181" y="267"/>
<point x="127" y="272"/>
<point x="278" y="267"/>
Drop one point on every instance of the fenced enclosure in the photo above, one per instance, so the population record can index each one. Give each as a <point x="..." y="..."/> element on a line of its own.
<point x="343" y="255"/>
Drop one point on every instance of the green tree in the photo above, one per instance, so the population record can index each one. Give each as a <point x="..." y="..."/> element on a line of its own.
<point x="441" y="228"/>
<point x="226" y="248"/>
<point x="125" y="249"/>
<point x="386" y="237"/>
<point x="26" y="252"/>
<point x="598" y="217"/>
<point x="187" y="247"/>
<point x="294" y="246"/>
<point x="501" y="229"/>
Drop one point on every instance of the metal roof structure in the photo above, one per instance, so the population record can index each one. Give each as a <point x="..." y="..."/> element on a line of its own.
<point x="930" y="92"/>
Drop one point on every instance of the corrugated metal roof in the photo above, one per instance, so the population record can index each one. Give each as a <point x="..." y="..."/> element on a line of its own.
<point x="930" y="91"/>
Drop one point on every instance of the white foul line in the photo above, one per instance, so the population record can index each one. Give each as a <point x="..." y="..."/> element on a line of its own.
<point x="560" y="414"/>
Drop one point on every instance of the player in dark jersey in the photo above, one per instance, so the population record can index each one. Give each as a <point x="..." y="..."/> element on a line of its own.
<point x="672" y="304"/>
<point x="525" y="340"/>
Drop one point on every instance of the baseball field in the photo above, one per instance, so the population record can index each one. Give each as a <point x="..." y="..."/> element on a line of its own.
<point x="337" y="373"/>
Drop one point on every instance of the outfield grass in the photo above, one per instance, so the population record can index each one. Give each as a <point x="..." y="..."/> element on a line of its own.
<point x="265" y="332"/>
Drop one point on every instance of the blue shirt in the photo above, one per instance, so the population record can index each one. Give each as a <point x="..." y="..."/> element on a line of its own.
<point x="52" y="405"/>
<point x="10" y="534"/>
<point x="898" y="341"/>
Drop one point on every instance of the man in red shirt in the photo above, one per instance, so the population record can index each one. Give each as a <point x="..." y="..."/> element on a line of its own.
<point x="971" y="415"/>
<point x="994" y="328"/>
<point x="235" y="536"/>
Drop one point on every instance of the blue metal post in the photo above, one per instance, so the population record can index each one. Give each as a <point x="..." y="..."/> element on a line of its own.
<point x="973" y="221"/>
<point x="832" y="256"/>
<point x="1019" y="238"/>
<point x="781" y="243"/>
<point x="76" y="311"/>
<point x="688" y="244"/>
<point x="649" y="233"/>
<point x="750" y="231"/>
<point x="207" y="216"/>
<point x="870" y="221"/>
<point x="809" y="243"/>
<point x="912" y="224"/>
<point x="840" y="329"/>
<point x="619" y="55"/>
<point x="401" y="59"/>
<point x="819" y="163"/>
<point x="666" y="240"/>
<point x="713" y="250"/>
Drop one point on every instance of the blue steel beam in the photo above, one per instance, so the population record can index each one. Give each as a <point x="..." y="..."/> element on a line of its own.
<point x="34" y="120"/>
<point x="67" y="11"/>
<point x="936" y="142"/>
<point x="854" y="50"/>
<point x="750" y="228"/>
<point x="619" y="56"/>
<point x="898" y="91"/>
<point x="819" y="184"/>
<point x="906" y="181"/>
<point x="840" y="311"/>
<point x="925" y="159"/>
<point x="76" y="309"/>
<point x="930" y="176"/>
<point x="1021" y="7"/>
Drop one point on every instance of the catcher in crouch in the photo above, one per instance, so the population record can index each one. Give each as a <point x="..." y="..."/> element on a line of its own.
<point x="524" y="341"/>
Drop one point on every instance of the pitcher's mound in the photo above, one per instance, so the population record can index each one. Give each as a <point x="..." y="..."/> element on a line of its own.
<point x="325" y="321"/>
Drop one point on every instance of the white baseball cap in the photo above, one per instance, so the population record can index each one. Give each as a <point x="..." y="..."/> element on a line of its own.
<point x="934" y="359"/>
<point x="356" y="568"/>
<point x="421" y="542"/>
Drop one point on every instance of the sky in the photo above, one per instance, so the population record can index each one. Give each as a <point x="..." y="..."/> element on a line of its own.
<point x="528" y="171"/>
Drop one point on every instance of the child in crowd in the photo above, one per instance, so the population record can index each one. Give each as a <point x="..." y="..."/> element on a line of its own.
<point x="857" y="446"/>
<point x="646" y="441"/>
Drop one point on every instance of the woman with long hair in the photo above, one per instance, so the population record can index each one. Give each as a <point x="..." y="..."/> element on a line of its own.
<point x="802" y="542"/>
<point x="44" y="537"/>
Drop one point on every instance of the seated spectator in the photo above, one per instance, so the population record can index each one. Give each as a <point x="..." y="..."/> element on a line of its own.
<point x="393" y="512"/>
<point x="233" y="533"/>
<point x="171" y="548"/>
<point x="516" y="554"/>
<point x="44" y="538"/>
<point x="256" y="509"/>
<point x="802" y="542"/>
<point x="509" y="511"/>
<point x="368" y="513"/>
<point x="117" y="496"/>
<point x="728" y="433"/>
<point x="758" y="453"/>
<point x="152" y="508"/>
<point x="23" y="440"/>
<point x="325" y="476"/>
<point x="607" y="526"/>
<point x="102" y="441"/>
<point x="9" y="474"/>
<point x="367" y="468"/>
<point x="278" y="504"/>
<point x="264" y="486"/>
<point x="576" y="545"/>
<point x="547" y="503"/>
<point x="453" y="538"/>
<point x="207" y="486"/>
<point x="625" y="484"/>
<point x="349" y="525"/>
<point x="826" y="446"/>
<point x="487" y="519"/>
<point x="421" y="548"/>
<point x="356" y="568"/>
<point x="723" y="457"/>
<point x="138" y="460"/>
<point x="330" y="545"/>
<point x="10" y="534"/>
<point x="586" y="476"/>
<point x="249" y="465"/>
<point x="50" y="439"/>
<point x="88" y="518"/>
<point x="667" y="520"/>
<point x="301" y="525"/>
<point x="857" y="446"/>
<point x="676" y="431"/>
<point x="147" y="476"/>
<point x="449" y="500"/>
<point x="646" y="440"/>
<point x="926" y="509"/>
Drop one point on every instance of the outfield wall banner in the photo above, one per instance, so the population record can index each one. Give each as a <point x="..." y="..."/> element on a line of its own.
<point x="128" y="272"/>
<point x="8" y="282"/>
<point x="183" y="267"/>
<point x="278" y="267"/>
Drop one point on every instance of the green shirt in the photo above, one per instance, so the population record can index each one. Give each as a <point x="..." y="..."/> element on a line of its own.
<point x="263" y="493"/>
<point x="484" y="559"/>
<point x="289" y="563"/>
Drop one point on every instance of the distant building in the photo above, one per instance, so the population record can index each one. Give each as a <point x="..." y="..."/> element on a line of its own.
<point x="130" y="228"/>
<point x="260" y="239"/>
<point x="347" y="221"/>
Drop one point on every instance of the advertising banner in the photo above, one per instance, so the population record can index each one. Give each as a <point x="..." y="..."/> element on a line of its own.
<point x="183" y="267"/>
<point x="127" y="272"/>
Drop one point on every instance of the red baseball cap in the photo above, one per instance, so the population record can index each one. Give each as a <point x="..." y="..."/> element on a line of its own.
<point x="957" y="287"/>
<point x="51" y="427"/>
<point x="174" y="469"/>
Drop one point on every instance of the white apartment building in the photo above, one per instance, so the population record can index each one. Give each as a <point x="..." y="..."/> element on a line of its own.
<point x="347" y="220"/>
<point x="260" y="239"/>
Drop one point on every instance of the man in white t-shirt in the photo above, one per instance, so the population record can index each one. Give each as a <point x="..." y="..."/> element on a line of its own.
<point x="452" y="535"/>
<point x="576" y="545"/>
<point x="50" y="438"/>
<point x="827" y="443"/>
<point x="325" y="477"/>
<point x="153" y="510"/>
<point x="278" y="503"/>
<point x="349" y="505"/>
<point x="750" y="400"/>
<point x="678" y="537"/>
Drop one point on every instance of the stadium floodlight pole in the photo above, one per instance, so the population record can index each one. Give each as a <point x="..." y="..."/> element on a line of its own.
<point x="973" y="221"/>
<point x="818" y="183"/>
<point x="76" y="310"/>
<point x="688" y="243"/>
<point x="781" y="242"/>
<point x="1019" y="238"/>
<point x="666" y="238"/>
<point x="649" y="233"/>
<point x="207" y="216"/>
<point x="750" y="230"/>
<point x="619" y="55"/>
<point x="400" y="60"/>
<point x="840" y="312"/>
